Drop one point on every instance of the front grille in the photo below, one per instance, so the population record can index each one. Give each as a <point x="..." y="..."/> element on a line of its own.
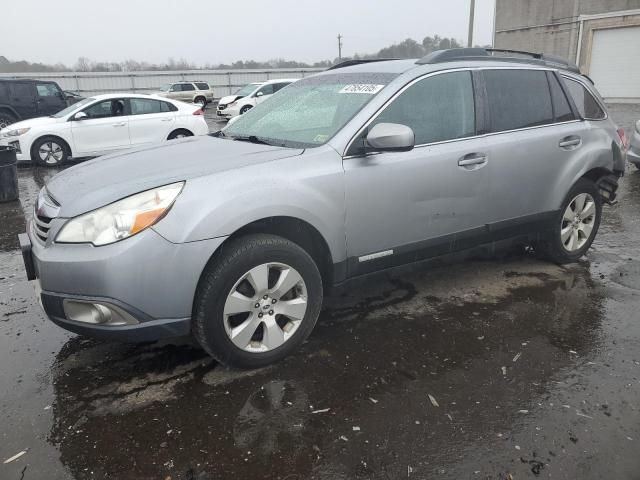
<point x="41" y="226"/>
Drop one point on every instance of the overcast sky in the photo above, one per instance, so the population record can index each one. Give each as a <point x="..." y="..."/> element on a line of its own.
<point x="214" y="32"/>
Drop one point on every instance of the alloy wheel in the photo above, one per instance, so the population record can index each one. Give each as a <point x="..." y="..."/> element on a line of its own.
<point x="51" y="153"/>
<point x="577" y="222"/>
<point x="265" y="307"/>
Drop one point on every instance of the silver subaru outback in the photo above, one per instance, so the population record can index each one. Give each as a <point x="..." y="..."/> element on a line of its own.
<point x="234" y="237"/>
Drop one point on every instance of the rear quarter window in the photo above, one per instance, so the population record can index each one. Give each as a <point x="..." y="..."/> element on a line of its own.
<point x="518" y="99"/>
<point x="202" y="86"/>
<point x="585" y="102"/>
<point x="4" y="92"/>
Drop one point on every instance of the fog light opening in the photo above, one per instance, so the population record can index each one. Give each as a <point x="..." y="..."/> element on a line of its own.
<point x="96" y="313"/>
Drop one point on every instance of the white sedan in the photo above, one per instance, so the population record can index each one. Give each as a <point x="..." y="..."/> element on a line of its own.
<point x="103" y="124"/>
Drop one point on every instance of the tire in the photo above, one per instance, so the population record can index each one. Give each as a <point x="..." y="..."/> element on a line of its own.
<point x="6" y="119"/>
<point x="200" y="101"/>
<point x="576" y="224"/>
<point x="181" y="133"/>
<point x="50" y="151"/>
<point x="245" y="109"/>
<point x="261" y="335"/>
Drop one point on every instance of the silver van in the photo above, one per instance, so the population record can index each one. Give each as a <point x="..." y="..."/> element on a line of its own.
<point x="233" y="238"/>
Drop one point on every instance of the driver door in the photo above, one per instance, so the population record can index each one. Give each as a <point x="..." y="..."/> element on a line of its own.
<point x="104" y="129"/>
<point x="405" y="206"/>
<point x="264" y="93"/>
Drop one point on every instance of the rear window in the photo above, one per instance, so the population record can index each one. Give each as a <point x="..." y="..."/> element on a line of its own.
<point x="518" y="99"/>
<point x="202" y="86"/>
<point x="586" y="104"/>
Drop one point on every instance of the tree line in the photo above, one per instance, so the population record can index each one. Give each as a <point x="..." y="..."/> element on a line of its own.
<point x="408" y="48"/>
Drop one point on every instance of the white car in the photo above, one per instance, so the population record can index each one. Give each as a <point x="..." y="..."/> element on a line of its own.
<point x="103" y="124"/>
<point x="249" y="96"/>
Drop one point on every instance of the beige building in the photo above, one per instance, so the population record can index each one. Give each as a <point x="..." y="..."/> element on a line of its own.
<point x="601" y="36"/>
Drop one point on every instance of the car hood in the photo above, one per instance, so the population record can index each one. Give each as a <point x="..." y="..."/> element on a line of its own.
<point x="104" y="180"/>
<point x="228" y="99"/>
<point x="35" y="122"/>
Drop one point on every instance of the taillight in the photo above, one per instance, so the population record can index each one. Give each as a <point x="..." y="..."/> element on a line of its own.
<point x="623" y="138"/>
<point x="199" y="112"/>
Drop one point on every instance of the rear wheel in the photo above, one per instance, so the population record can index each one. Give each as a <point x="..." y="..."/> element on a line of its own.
<point x="6" y="119"/>
<point x="257" y="302"/>
<point x="577" y="223"/>
<point x="50" y="151"/>
<point x="179" y="134"/>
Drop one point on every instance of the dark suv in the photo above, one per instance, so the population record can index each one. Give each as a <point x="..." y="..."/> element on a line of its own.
<point x="23" y="99"/>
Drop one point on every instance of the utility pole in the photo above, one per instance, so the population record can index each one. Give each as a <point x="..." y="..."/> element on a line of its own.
<point x="471" y="18"/>
<point x="339" y="47"/>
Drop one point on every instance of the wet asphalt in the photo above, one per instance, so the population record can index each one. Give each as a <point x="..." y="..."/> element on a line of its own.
<point x="503" y="367"/>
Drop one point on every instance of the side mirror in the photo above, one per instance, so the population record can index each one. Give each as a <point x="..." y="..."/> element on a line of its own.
<point x="80" y="116"/>
<point x="259" y="94"/>
<point x="391" y="137"/>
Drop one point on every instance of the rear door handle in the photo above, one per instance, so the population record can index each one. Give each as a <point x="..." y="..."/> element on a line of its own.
<point x="473" y="161"/>
<point x="167" y="120"/>
<point x="570" y="143"/>
<point x="119" y="124"/>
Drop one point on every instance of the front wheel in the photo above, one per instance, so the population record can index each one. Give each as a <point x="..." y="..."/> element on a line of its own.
<point x="49" y="152"/>
<point x="257" y="302"/>
<point x="245" y="109"/>
<point x="577" y="223"/>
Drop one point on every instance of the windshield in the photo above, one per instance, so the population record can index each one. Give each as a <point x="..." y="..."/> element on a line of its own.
<point x="247" y="89"/>
<point x="310" y="111"/>
<point x="73" y="108"/>
<point x="165" y="88"/>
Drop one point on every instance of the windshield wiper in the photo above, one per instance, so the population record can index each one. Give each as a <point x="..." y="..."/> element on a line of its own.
<point x="252" y="139"/>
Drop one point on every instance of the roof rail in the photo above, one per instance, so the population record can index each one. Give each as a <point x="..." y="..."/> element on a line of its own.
<point x="349" y="63"/>
<point x="518" y="56"/>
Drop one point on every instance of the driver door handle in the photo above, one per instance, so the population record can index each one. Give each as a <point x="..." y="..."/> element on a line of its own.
<point x="473" y="161"/>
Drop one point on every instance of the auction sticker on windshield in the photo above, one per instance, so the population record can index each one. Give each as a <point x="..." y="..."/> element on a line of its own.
<point x="369" y="88"/>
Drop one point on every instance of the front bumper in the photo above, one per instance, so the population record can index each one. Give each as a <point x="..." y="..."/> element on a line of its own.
<point x="146" y="278"/>
<point x="17" y="144"/>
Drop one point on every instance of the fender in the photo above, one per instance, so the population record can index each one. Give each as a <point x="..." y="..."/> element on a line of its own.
<point x="218" y="205"/>
<point x="12" y="110"/>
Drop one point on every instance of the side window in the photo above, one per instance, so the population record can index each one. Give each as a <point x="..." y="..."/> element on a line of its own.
<point x="4" y="91"/>
<point x="105" y="109"/>
<point x="588" y="106"/>
<point x="167" y="107"/>
<point x="176" y="87"/>
<point x="437" y="108"/>
<point x="279" y="86"/>
<point x="518" y="99"/>
<point x="47" y="90"/>
<point x="143" y="106"/>
<point x="21" y="89"/>
<point x="187" y="87"/>
<point x="266" y="90"/>
<point x="562" y="110"/>
<point x="202" y="86"/>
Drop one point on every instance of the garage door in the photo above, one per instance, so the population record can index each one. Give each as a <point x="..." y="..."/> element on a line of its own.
<point x="615" y="68"/>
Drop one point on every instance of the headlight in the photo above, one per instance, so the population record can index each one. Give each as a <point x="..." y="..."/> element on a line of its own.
<point x="16" y="133"/>
<point x="121" y="219"/>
